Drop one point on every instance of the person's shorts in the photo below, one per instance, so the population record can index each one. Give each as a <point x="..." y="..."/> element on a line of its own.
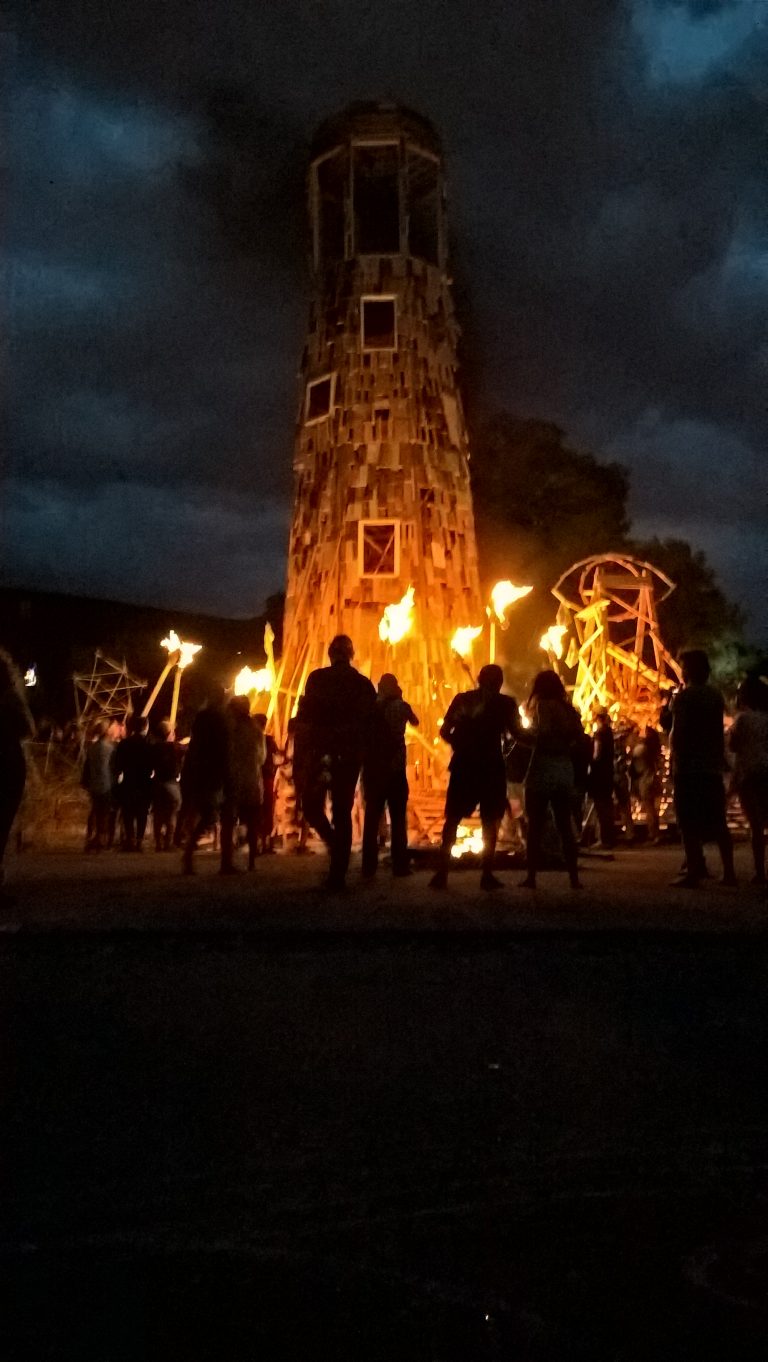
<point x="468" y="789"/>
<point x="700" y="804"/>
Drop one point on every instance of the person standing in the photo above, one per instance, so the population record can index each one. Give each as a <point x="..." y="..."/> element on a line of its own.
<point x="697" y="743"/>
<point x="601" y="774"/>
<point x="268" y="774"/>
<point x="748" y="741"/>
<point x="16" y="725"/>
<point x="555" y="732"/>
<point x="97" y="779"/>
<point x="133" y="765"/>
<point x="204" y="774"/>
<point x="647" y="758"/>
<point x="166" y="794"/>
<point x="385" y="782"/>
<point x="242" y="785"/>
<point x="475" y="725"/>
<point x="332" y="731"/>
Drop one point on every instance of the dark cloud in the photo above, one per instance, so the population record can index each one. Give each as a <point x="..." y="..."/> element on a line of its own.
<point x="609" y="200"/>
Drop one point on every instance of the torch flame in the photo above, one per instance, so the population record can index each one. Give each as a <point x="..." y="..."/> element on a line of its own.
<point x="186" y="651"/>
<point x="505" y="594"/>
<point x="397" y="620"/>
<point x="248" y="681"/>
<point x="463" y="639"/>
<point x="552" y="641"/>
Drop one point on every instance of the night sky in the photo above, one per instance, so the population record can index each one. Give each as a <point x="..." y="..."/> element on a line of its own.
<point x="608" y="182"/>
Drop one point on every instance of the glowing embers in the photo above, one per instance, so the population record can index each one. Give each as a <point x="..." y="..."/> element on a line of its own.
<point x="504" y="594"/>
<point x="552" y="640"/>
<point x="463" y="639"/>
<point x="469" y="842"/>
<point x="397" y="620"/>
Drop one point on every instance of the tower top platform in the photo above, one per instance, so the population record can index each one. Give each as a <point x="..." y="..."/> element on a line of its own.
<point x="376" y="121"/>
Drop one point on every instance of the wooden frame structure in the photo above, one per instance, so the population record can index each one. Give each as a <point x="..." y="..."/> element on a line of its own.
<point x="607" y="605"/>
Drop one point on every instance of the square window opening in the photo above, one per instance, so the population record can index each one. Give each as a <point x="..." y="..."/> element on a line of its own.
<point x="378" y="323"/>
<point x="379" y="548"/>
<point x="319" y="399"/>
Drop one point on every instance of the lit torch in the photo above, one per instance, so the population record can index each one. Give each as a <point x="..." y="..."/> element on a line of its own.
<point x="184" y="653"/>
<point x="503" y="595"/>
<point x="397" y="620"/>
<point x="463" y="639"/>
<point x="248" y="682"/>
<point x="552" y="641"/>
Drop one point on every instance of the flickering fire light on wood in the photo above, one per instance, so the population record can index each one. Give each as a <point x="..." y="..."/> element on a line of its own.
<point x="249" y="681"/>
<point x="397" y="620"/>
<point x="552" y="640"/>
<point x="504" y="594"/>
<point x="463" y="639"/>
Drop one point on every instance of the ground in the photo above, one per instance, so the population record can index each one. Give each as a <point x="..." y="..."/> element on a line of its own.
<point x="244" y="1120"/>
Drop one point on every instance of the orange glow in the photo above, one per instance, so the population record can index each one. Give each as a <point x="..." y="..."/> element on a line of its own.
<point x="397" y="620"/>
<point x="505" y="594"/>
<point x="468" y="840"/>
<point x="463" y="639"/>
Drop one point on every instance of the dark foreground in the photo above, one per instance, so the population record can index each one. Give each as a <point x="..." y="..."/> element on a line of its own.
<point x="379" y="1145"/>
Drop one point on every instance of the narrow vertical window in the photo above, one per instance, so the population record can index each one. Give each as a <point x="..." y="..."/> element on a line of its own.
<point x="376" y="198"/>
<point x="378" y="323"/>
<point x="331" y="186"/>
<point x="423" y="207"/>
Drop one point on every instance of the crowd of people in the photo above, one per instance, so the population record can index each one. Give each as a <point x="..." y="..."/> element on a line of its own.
<point x="348" y="735"/>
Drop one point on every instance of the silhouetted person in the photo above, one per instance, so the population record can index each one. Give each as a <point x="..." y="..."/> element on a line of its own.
<point x="133" y="766"/>
<point x="601" y="776"/>
<point x="475" y="725"/>
<point x="16" y="725"/>
<point x="647" y="765"/>
<point x="698" y="764"/>
<point x="268" y="774"/>
<point x="748" y="741"/>
<point x="333" y="722"/>
<point x="98" y="779"/>
<point x="555" y="733"/>
<point x="166" y="793"/>
<point x="385" y="782"/>
<point x="204" y="773"/>
<point x="242" y="783"/>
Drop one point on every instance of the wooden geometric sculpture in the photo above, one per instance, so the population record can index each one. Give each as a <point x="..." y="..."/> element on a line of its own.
<point x="607" y="631"/>
<point x="382" y="506"/>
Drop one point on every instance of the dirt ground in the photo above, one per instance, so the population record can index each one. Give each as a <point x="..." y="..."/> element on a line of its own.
<point x="242" y="1120"/>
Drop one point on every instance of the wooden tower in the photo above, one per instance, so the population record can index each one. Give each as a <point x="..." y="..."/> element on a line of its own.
<point x="382" y="507"/>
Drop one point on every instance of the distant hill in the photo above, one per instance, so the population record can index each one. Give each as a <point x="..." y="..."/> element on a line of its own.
<point x="59" y="634"/>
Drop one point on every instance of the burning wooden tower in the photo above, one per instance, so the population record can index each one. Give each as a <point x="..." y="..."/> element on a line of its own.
<point x="383" y="512"/>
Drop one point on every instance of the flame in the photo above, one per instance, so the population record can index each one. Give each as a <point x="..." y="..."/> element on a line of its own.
<point x="469" y="841"/>
<point x="505" y="594"/>
<point x="552" y="641"/>
<point x="524" y="720"/>
<point x="397" y="620"/>
<point x="248" y="681"/>
<point x="463" y="639"/>
<point x="186" y="651"/>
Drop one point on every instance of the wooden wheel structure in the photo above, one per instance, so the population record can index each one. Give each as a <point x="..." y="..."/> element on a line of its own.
<point x="106" y="692"/>
<point x="607" y="648"/>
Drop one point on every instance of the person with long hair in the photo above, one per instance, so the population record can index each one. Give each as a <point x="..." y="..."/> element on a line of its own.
<point x="748" y="741"/>
<point x="555" y="733"/>
<point x="16" y="725"/>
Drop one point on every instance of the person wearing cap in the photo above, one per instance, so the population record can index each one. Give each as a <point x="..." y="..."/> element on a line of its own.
<point x="334" y="719"/>
<point x="385" y="782"/>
